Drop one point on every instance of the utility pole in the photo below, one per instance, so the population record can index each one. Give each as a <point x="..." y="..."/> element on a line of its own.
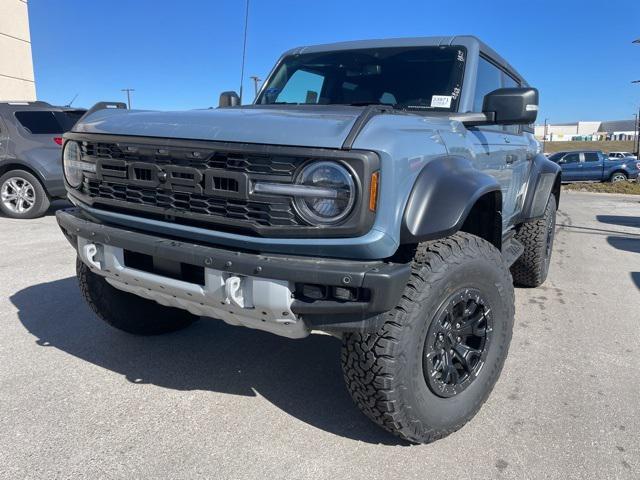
<point x="244" y="48"/>
<point x="544" y="137"/>
<point x="638" y="133"/>
<point x="636" y="144"/>
<point x="637" y="126"/>
<point x="256" y="82"/>
<point x="128" y="90"/>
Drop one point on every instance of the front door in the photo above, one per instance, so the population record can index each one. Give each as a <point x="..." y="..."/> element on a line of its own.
<point x="571" y="167"/>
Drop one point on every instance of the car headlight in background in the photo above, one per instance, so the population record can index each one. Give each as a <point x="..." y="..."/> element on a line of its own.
<point x="324" y="192"/>
<point x="73" y="164"/>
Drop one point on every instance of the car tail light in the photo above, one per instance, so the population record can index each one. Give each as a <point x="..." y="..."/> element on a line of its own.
<point x="58" y="140"/>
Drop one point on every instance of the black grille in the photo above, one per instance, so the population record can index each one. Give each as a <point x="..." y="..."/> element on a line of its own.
<point x="251" y="163"/>
<point x="276" y="213"/>
<point x="224" y="202"/>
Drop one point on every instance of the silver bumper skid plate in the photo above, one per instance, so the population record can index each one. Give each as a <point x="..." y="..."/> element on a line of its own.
<point x="253" y="302"/>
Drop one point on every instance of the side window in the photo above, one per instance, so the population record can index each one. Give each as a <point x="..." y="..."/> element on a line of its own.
<point x="571" y="158"/>
<point x="302" y="87"/>
<point x="489" y="79"/>
<point x="39" y="122"/>
<point x="591" y="157"/>
<point x="509" y="82"/>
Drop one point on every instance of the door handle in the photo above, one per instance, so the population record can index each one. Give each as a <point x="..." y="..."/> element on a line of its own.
<point x="510" y="159"/>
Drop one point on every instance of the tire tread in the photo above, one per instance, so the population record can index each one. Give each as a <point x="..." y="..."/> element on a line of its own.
<point x="370" y="361"/>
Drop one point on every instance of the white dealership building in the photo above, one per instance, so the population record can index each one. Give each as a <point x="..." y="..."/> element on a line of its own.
<point x="587" y="131"/>
<point x="17" y="81"/>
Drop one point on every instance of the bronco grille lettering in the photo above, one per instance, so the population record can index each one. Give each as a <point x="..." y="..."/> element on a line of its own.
<point x="173" y="177"/>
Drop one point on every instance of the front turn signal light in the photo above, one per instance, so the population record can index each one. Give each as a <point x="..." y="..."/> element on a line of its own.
<point x="374" y="186"/>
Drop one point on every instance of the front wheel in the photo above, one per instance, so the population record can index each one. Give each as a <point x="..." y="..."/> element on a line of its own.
<point x="22" y="195"/>
<point x="429" y="368"/>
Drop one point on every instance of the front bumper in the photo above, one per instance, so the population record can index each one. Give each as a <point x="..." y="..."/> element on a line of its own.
<point x="382" y="282"/>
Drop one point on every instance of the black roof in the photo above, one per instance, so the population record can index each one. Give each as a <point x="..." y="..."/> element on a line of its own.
<point x="465" y="40"/>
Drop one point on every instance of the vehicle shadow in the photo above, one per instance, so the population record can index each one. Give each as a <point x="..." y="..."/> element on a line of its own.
<point x="627" y="244"/>
<point x="622" y="220"/>
<point x="302" y="377"/>
<point x="635" y="278"/>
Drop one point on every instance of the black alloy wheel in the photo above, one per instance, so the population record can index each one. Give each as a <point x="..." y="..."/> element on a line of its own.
<point x="456" y="345"/>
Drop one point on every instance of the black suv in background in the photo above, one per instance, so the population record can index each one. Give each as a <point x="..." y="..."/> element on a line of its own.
<point x="30" y="167"/>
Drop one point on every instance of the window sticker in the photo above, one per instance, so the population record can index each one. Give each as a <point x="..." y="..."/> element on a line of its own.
<point x="441" y="101"/>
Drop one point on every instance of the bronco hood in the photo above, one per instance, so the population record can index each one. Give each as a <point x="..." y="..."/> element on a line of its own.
<point x="309" y="126"/>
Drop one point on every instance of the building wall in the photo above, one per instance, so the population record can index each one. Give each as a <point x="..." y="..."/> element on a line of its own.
<point x="17" y="81"/>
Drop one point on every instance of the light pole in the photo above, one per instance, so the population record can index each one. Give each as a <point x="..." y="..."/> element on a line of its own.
<point x="544" y="137"/>
<point x="128" y="90"/>
<point x="256" y="82"/>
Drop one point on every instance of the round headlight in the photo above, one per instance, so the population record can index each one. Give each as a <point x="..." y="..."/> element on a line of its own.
<point x="72" y="164"/>
<point x="333" y="196"/>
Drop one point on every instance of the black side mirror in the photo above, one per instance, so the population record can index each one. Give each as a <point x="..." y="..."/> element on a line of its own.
<point x="229" y="99"/>
<point x="511" y="106"/>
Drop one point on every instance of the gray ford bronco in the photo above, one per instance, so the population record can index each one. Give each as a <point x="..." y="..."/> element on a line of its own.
<point x="388" y="192"/>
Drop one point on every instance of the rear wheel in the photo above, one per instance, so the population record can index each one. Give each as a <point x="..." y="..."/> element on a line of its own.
<point x="22" y="195"/>
<point x="429" y="368"/>
<point x="532" y="268"/>
<point x="128" y="312"/>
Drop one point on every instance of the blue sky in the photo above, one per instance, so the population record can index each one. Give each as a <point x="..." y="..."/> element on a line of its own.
<point x="182" y="54"/>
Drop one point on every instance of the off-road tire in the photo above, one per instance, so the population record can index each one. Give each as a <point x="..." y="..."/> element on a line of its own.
<point x="41" y="202"/>
<point x="384" y="370"/>
<point x="128" y="312"/>
<point x="532" y="268"/>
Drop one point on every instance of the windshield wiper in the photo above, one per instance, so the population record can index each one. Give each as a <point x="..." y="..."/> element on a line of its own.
<point x="366" y="104"/>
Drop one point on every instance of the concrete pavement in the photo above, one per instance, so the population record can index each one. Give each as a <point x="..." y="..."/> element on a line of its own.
<point x="81" y="400"/>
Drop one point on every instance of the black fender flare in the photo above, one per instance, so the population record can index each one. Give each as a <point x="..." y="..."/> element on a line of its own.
<point x="443" y="194"/>
<point x="544" y="179"/>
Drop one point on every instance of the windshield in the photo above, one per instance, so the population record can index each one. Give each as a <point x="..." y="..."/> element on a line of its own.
<point x="425" y="78"/>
